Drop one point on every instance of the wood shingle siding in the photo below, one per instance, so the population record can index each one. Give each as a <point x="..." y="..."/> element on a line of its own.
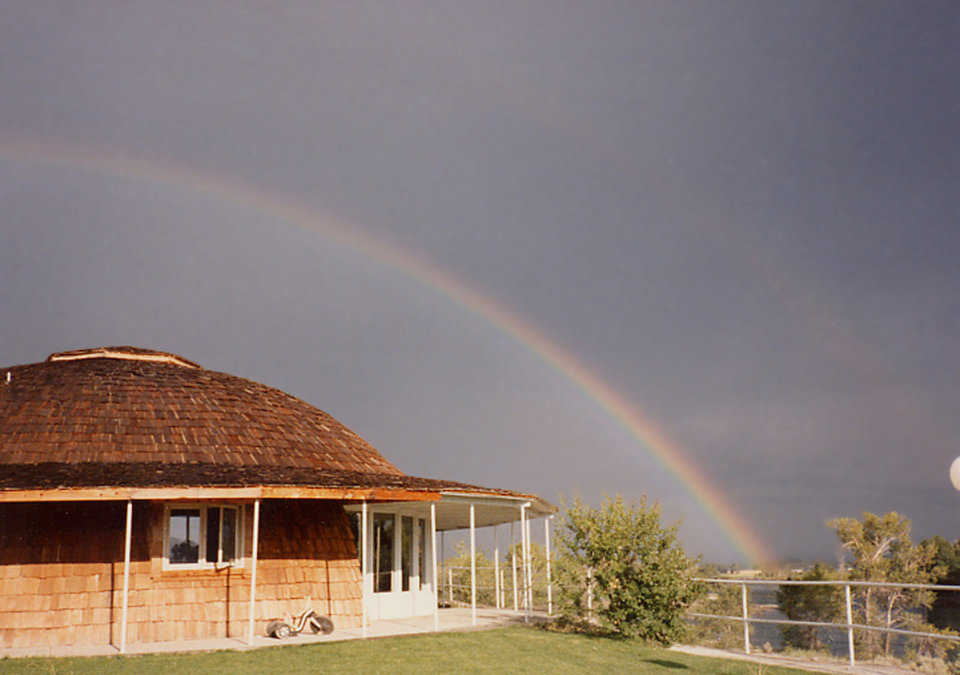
<point x="67" y="590"/>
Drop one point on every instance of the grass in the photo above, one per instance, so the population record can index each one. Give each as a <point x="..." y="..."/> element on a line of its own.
<point x="513" y="650"/>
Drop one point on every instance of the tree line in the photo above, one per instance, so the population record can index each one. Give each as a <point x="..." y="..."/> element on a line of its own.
<point x="640" y="583"/>
<point x="879" y="548"/>
<point x="619" y="571"/>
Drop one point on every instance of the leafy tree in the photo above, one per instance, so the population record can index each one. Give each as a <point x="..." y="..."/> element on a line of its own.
<point x="947" y="556"/>
<point x="809" y="603"/>
<point x="638" y="576"/>
<point x="878" y="548"/>
<point x="945" y="612"/>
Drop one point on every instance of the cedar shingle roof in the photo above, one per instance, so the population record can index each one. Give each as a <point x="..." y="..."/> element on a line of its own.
<point x="122" y="412"/>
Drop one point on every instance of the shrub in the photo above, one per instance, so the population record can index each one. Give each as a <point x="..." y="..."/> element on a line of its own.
<point x="639" y="577"/>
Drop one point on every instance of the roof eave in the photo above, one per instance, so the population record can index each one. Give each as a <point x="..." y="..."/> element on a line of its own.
<point x="182" y="493"/>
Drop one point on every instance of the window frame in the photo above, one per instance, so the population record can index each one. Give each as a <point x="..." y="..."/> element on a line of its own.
<point x="202" y="564"/>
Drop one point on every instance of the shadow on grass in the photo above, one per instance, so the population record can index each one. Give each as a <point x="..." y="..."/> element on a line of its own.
<point x="592" y="632"/>
<point x="663" y="663"/>
<point x="581" y="628"/>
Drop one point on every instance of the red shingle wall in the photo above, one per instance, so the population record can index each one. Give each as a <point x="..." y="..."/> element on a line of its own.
<point x="61" y="574"/>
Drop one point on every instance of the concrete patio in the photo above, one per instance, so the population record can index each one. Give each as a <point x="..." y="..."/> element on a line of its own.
<point x="451" y="619"/>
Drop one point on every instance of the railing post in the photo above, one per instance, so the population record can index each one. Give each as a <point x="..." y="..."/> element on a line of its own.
<point x="746" y="624"/>
<point x="589" y="594"/>
<point x="846" y="589"/>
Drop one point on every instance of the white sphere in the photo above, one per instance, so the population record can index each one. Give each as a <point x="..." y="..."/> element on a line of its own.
<point x="955" y="473"/>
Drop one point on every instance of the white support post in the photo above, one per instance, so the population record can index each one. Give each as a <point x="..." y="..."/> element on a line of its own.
<point x="363" y="568"/>
<point x="473" y="566"/>
<point x="524" y="561"/>
<point x="253" y="569"/>
<point x="846" y="589"/>
<point x="546" y="536"/>
<point x="496" y="569"/>
<point x="746" y="624"/>
<point x="503" y="592"/>
<point x="126" y="577"/>
<point x="529" y="571"/>
<point x="450" y="585"/>
<point x="433" y="558"/>
<point x="513" y="567"/>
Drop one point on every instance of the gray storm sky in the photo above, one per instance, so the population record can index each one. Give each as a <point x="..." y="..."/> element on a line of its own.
<point x="743" y="216"/>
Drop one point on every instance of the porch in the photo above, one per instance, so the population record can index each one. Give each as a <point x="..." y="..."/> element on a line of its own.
<point x="450" y="619"/>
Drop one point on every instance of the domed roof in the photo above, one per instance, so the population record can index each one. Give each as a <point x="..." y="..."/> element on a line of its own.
<point x="115" y="406"/>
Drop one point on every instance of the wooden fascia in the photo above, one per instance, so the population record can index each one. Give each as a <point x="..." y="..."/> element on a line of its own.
<point x="199" y="493"/>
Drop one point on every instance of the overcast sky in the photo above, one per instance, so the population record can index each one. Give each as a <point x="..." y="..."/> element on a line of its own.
<point x="742" y="216"/>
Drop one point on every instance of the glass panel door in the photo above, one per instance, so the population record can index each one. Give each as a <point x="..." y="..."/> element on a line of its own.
<point x="406" y="550"/>
<point x="422" y="557"/>
<point x="383" y="528"/>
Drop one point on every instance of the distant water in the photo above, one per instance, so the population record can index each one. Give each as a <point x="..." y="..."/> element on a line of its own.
<point x="835" y="639"/>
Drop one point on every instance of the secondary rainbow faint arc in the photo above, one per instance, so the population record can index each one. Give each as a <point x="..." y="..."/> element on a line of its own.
<point x="667" y="453"/>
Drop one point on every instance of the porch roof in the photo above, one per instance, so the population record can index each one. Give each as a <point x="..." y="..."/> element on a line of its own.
<point x="453" y="509"/>
<point x="96" y="481"/>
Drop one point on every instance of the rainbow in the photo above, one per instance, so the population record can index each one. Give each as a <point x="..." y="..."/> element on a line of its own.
<point x="709" y="497"/>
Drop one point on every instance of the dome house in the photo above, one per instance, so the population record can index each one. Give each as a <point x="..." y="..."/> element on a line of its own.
<point x="145" y="499"/>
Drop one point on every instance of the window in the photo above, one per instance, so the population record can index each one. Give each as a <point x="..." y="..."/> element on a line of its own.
<point x="221" y="534"/>
<point x="406" y="550"/>
<point x="421" y="551"/>
<point x="202" y="536"/>
<point x="383" y="527"/>
<point x="184" y="536"/>
<point x="355" y="526"/>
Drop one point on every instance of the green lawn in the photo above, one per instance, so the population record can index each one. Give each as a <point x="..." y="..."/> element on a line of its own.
<point x="506" y="650"/>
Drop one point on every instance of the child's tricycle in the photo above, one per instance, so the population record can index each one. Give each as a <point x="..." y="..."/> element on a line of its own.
<point x="308" y="619"/>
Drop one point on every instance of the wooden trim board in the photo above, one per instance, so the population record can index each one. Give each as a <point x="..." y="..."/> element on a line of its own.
<point x="259" y="492"/>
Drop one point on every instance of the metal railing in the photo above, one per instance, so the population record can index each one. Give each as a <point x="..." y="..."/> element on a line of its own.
<point x="850" y="626"/>
<point x="496" y="586"/>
